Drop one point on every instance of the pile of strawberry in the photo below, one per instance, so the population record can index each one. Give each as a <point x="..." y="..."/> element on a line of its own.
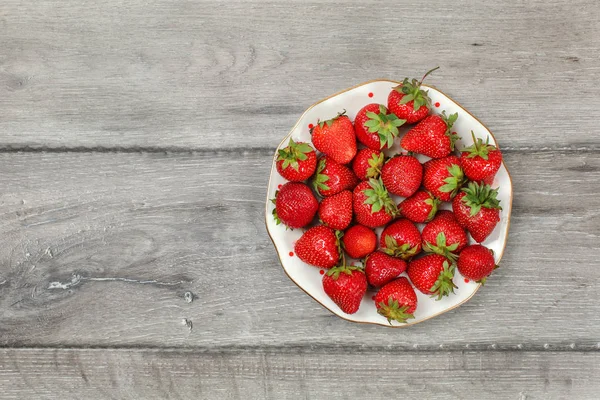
<point x="355" y="184"/>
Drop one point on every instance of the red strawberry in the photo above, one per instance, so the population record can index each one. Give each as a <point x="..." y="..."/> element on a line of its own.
<point x="401" y="239"/>
<point x="408" y="101"/>
<point x="346" y="286"/>
<point x="445" y="237"/>
<point x="336" y="211"/>
<point x="420" y="207"/>
<point x="332" y="178"/>
<point x="477" y="209"/>
<point x="402" y="175"/>
<point x="432" y="274"/>
<point x="368" y="163"/>
<point x="295" y="205"/>
<point x="319" y="246"/>
<point x="397" y="300"/>
<point x="432" y="136"/>
<point x="381" y="268"/>
<point x="372" y="204"/>
<point x="297" y="162"/>
<point x="375" y="127"/>
<point x="446" y="215"/>
<point x="480" y="161"/>
<point x="443" y="177"/>
<point x="359" y="241"/>
<point x="335" y="138"/>
<point x="476" y="262"/>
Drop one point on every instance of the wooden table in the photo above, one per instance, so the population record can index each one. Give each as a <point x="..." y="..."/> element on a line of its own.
<point x="135" y="144"/>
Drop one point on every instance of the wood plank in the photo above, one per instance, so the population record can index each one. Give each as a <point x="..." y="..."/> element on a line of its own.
<point x="134" y="374"/>
<point x="206" y="74"/>
<point x="99" y="250"/>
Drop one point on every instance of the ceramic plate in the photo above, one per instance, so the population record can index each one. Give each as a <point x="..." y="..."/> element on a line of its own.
<point x="352" y="100"/>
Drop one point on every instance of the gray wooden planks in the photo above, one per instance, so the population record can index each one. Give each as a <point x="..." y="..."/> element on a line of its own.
<point x="148" y="374"/>
<point x="198" y="74"/>
<point x="99" y="249"/>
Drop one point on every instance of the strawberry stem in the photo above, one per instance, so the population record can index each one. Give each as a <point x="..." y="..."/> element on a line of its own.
<point x="427" y="73"/>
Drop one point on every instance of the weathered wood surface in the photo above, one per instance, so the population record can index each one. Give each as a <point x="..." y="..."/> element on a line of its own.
<point x="204" y="74"/>
<point x="135" y="143"/>
<point x="146" y="374"/>
<point x="100" y="248"/>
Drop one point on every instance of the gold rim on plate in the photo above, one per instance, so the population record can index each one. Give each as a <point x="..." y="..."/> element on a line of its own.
<point x="285" y="139"/>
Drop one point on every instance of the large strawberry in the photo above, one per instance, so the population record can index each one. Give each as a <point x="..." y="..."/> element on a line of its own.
<point x="336" y="211"/>
<point x="476" y="262"/>
<point x="432" y="275"/>
<point x="296" y="162"/>
<point x="443" y="177"/>
<point x="359" y="241"/>
<point x="368" y="163"/>
<point x="375" y="127"/>
<point x="332" y="177"/>
<point x="295" y="205"/>
<point x="402" y="175"/>
<point x="372" y="204"/>
<point x="444" y="236"/>
<point x="480" y="161"/>
<point x="381" y="268"/>
<point x="397" y="300"/>
<point x="401" y="239"/>
<point x="420" y="207"/>
<point x="432" y="136"/>
<point x="477" y="209"/>
<point x="346" y="286"/>
<point x="408" y="101"/>
<point x="335" y="138"/>
<point x="319" y="246"/>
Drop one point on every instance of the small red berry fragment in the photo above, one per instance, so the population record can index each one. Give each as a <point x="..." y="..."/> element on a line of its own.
<point x="310" y="126"/>
<point x="291" y="254"/>
<point x="437" y="104"/>
<point x="467" y="281"/>
<point x="370" y="94"/>
<point x="322" y="272"/>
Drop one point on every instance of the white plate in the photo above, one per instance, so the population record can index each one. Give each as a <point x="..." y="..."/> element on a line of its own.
<point x="352" y="100"/>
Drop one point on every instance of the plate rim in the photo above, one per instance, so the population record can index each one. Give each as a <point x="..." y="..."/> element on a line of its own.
<point x="268" y="201"/>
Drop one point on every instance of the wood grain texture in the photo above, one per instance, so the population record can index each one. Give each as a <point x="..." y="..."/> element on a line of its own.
<point x="144" y="374"/>
<point x="98" y="249"/>
<point x="208" y="74"/>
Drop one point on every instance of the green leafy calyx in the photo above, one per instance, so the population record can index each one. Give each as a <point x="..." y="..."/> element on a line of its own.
<point x="293" y="153"/>
<point x="379" y="198"/>
<point x="478" y="148"/>
<point x="330" y="122"/>
<point x="412" y="92"/>
<point x="375" y="164"/>
<point x="454" y="181"/>
<point x="385" y="125"/>
<point x="444" y="285"/>
<point x="450" y="120"/>
<point x="441" y="247"/>
<point x="402" y="251"/>
<point x="434" y="203"/>
<point x="343" y="269"/>
<point x="393" y="311"/>
<point x="480" y="195"/>
<point x="320" y="179"/>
